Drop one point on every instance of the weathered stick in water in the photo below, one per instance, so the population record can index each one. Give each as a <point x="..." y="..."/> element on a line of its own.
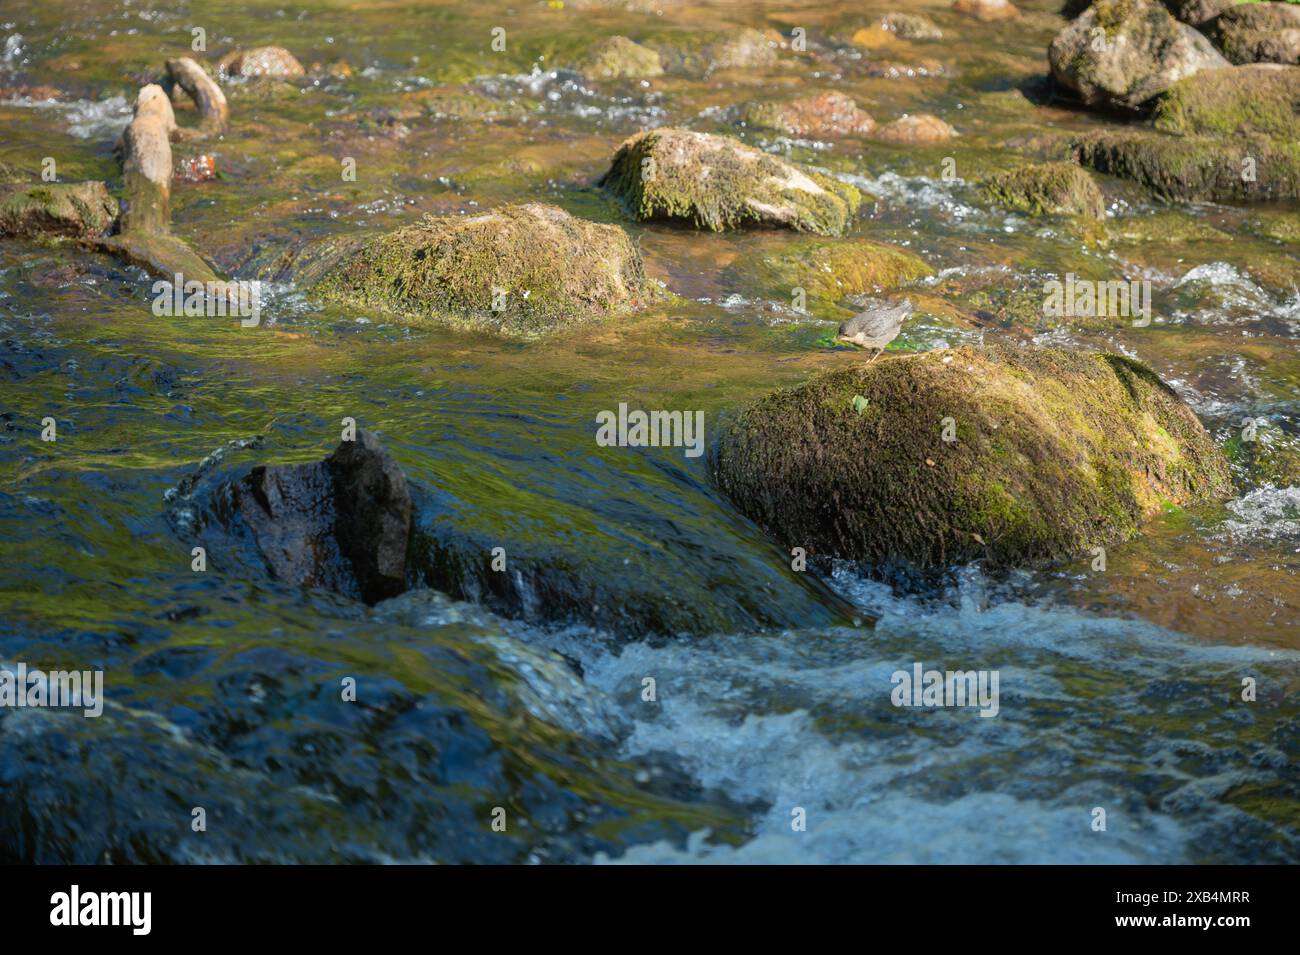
<point x="147" y="162"/>
<point x="203" y="89"/>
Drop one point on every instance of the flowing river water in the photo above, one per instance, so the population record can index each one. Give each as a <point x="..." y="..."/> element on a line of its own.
<point x="1120" y="689"/>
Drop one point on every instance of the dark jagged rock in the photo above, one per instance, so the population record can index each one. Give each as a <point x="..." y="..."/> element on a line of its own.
<point x="342" y="524"/>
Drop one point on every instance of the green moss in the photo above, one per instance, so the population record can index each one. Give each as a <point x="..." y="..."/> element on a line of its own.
<point x="828" y="271"/>
<point x="1231" y="102"/>
<point x="1246" y="168"/>
<point x="1057" y="452"/>
<point x="75" y="209"/>
<point x="518" y="269"/>
<point x="1059" y="188"/>
<point x="719" y="183"/>
<point x="617" y="57"/>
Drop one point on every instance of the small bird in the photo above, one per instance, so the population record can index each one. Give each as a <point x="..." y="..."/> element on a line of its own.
<point x="875" y="328"/>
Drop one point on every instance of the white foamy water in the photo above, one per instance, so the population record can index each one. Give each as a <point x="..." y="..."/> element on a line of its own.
<point x="803" y="721"/>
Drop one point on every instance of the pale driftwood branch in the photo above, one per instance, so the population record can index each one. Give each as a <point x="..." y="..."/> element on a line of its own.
<point x="203" y="89"/>
<point x="147" y="163"/>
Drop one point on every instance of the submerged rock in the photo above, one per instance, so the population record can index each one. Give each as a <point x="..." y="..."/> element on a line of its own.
<point x="1058" y="188"/>
<point x="1050" y="454"/>
<point x="1121" y="53"/>
<point x="720" y="183"/>
<point x="918" y="129"/>
<point x="830" y="271"/>
<point x="1192" y="168"/>
<point x="517" y="269"/>
<point x="272" y="61"/>
<point x="1234" y="101"/>
<point x="342" y="524"/>
<point x="699" y="54"/>
<point x="1259" y="33"/>
<point x="986" y="10"/>
<point x="826" y="115"/>
<point x="618" y="58"/>
<point x="74" y="209"/>
<point x="911" y="26"/>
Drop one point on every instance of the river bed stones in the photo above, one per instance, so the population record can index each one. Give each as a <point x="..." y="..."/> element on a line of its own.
<point x="1009" y="454"/>
<point x="1120" y="54"/>
<point x="517" y="269"/>
<point x="719" y="183"/>
<point x="1261" y="99"/>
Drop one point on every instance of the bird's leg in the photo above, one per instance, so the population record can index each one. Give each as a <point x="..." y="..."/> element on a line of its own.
<point x="879" y="352"/>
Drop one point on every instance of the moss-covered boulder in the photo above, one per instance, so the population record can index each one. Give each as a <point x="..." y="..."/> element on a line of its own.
<point x="1259" y="33"/>
<point x="826" y="115"/>
<point x="618" y="58"/>
<point x="1192" y="168"/>
<point x="829" y="270"/>
<point x="1057" y="188"/>
<point x="1233" y="101"/>
<point x="77" y="210"/>
<point x="1014" y="455"/>
<point x="1193" y="12"/>
<point x="916" y="129"/>
<point x="1120" y="53"/>
<point x="518" y="269"/>
<point x="720" y="183"/>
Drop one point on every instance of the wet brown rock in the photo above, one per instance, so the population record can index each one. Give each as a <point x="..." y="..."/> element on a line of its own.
<point x="826" y="115"/>
<point x="916" y="129"/>
<point x="986" y="10"/>
<point x="76" y="210"/>
<point x="1259" y="33"/>
<point x="261" y="61"/>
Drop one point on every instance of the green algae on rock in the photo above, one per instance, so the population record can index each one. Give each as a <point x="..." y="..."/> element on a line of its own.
<point x="1121" y="53"/>
<point x="619" y="58"/>
<point x="1052" y="453"/>
<point x="1186" y="168"/>
<point x="76" y="210"/>
<point x="830" y="270"/>
<point x="1232" y="101"/>
<point x="1057" y="188"/>
<point x="517" y="269"/>
<point x="719" y="183"/>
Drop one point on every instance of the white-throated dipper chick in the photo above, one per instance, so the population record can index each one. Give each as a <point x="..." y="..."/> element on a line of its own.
<point x="875" y="328"/>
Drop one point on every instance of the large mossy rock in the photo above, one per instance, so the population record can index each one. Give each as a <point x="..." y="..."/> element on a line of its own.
<point x="1119" y="54"/>
<point x="1234" y="101"/>
<point x="517" y="269"/>
<point x="720" y="183"/>
<point x="78" y="210"/>
<point x="1053" y="453"/>
<point x="1259" y="33"/>
<point x="1196" y="168"/>
<point x="1194" y="12"/>
<point x="1057" y="188"/>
